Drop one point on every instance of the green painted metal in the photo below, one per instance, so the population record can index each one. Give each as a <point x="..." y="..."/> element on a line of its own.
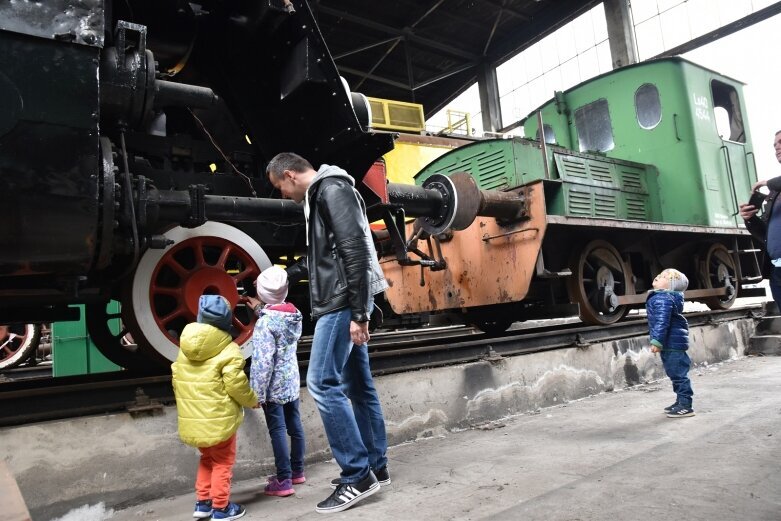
<point x="74" y="353"/>
<point x="660" y="157"/>
<point x="702" y="177"/>
<point x="581" y="185"/>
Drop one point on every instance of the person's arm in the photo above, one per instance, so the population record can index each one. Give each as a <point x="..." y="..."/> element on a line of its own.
<point x="774" y="184"/>
<point x="298" y="271"/>
<point x="659" y="312"/>
<point x="263" y="347"/>
<point x="236" y="384"/>
<point x="343" y="211"/>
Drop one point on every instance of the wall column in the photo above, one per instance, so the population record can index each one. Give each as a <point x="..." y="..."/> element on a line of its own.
<point x="621" y="33"/>
<point x="488" y="88"/>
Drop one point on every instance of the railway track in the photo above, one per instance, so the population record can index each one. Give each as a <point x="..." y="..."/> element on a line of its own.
<point x="32" y="400"/>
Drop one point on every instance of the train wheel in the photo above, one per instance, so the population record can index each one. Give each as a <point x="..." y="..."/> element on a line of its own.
<point x="717" y="270"/>
<point x="598" y="277"/>
<point x="214" y="258"/>
<point x="111" y="337"/>
<point x="17" y="343"/>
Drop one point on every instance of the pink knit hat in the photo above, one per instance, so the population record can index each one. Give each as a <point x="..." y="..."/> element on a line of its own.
<point x="272" y="285"/>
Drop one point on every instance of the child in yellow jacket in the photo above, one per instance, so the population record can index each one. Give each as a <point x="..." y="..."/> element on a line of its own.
<point x="211" y="388"/>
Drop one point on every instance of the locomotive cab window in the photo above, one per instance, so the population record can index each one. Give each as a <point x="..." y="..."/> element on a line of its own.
<point x="595" y="132"/>
<point x="550" y="137"/>
<point x="648" y="106"/>
<point x="726" y="109"/>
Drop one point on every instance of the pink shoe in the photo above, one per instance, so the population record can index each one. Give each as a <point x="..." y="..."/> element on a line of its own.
<point x="298" y="478"/>
<point x="279" y="488"/>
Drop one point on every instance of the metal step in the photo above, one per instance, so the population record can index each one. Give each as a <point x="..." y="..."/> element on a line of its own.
<point x="768" y="326"/>
<point x="765" y="345"/>
<point x="771" y="309"/>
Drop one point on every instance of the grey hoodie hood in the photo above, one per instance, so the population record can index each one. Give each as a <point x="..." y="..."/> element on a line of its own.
<point x="323" y="172"/>
<point x="329" y="171"/>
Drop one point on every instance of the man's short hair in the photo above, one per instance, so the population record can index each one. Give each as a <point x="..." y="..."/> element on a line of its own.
<point x="287" y="161"/>
<point x="777" y="132"/>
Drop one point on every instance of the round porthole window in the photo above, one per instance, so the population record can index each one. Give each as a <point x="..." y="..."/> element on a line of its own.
<point x="648" y="106"/>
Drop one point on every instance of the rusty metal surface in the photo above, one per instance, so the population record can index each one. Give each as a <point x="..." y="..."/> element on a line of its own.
<point x="486" y="264"/>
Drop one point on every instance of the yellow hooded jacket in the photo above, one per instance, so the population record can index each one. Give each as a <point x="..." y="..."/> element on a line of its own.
<point x="210" y="386"/>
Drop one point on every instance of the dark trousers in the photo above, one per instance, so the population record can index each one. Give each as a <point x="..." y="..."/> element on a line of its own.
<point x="775" y="285"/>
<point x="284" y="420"/>
<point x="676" y="365"/>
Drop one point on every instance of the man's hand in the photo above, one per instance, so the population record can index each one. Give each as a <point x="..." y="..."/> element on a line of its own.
<point x="654" y="349"/>
<point x="747" y="211"/>
<point x="758" y="185"/>
<point x="359" y="332"/>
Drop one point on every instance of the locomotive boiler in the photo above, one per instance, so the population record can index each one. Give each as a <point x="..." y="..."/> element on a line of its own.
<point x="133" y="142"/>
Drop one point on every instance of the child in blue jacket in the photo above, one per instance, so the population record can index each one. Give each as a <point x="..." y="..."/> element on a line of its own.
<point x="670" y="336"/>
<point x="274" y="376"/>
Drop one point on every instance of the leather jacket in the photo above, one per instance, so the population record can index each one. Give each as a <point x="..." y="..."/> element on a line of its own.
<point x="342" y="262"/>
<point x="758" y="226"/>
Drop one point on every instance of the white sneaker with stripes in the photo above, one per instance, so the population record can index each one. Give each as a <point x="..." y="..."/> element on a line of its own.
<point x="348" y="494"/>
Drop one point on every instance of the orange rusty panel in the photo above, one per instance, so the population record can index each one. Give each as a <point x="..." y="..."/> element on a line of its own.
<point x="486" y="264"/>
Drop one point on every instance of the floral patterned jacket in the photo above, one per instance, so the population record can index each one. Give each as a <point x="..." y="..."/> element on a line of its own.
<point x="274" y="371"/>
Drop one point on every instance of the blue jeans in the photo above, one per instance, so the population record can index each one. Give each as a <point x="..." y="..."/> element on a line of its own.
<point x="775" y="285"/>
<point x="284" y="420"/>
<point x="339" y="374"/>
<point x="676" y="365"/>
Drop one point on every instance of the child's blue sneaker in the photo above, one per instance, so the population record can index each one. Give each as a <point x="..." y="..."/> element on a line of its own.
<point x="670" y="407"/>
<point x="679" y="411"/>
<point x="203" y="509"/>
<point x="232" y="511"/>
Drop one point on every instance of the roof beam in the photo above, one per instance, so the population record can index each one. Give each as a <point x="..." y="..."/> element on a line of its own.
<point x="726" y="30"/>
<point x="509" y="10"/>
<point x="374" y="77"/>
<point x="406" y="32"/>
<point x="444" y="75"/>
<point x="366" y="47"/>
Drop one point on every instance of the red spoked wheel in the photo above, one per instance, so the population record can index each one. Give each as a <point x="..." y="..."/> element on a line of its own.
<point x="17" y="343"/>
<point x="214" y="258"/>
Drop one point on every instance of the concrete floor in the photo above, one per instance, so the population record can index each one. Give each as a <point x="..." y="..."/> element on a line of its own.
<point x="610" y="456"/>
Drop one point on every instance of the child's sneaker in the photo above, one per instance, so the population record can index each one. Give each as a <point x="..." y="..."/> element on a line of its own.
<point x="203" y="509"/>
<point x="298" y="478"/>
<point x="231" y="511"/>
<point x="283" y="488"/>
<point x="670" y="407"/>
<point x="679" y="411"/>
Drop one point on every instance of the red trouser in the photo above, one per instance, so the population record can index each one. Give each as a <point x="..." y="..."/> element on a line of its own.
<point x="215" y="471"/>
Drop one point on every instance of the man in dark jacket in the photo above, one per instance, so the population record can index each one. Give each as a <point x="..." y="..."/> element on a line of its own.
<point x="767" y="228"/>
<point x="344" y="276"/>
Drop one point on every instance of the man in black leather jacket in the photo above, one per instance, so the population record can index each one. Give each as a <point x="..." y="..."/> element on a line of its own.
<point x="344" y="276"/>
<point x="767" y="228"/>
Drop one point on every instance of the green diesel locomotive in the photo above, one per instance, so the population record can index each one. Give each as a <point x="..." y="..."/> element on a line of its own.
<point x="636" y="170"/>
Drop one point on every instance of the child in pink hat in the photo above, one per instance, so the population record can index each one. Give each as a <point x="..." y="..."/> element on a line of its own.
<point x="274" y="376"/>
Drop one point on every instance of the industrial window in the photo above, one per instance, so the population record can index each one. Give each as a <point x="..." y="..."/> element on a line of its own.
<point x="648" y="106"/>
<point x="595" y="133"/>
<point x="726" y="109"/>
<point x="550" y="137"/>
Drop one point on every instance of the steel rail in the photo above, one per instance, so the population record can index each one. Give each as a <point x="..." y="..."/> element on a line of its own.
<point x="26" y="401"/>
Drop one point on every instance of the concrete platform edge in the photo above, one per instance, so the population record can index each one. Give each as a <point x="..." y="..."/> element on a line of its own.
<point x="124" y="461"/>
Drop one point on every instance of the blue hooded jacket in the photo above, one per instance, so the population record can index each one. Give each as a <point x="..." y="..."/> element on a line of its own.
<point x="667" y="326"/>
